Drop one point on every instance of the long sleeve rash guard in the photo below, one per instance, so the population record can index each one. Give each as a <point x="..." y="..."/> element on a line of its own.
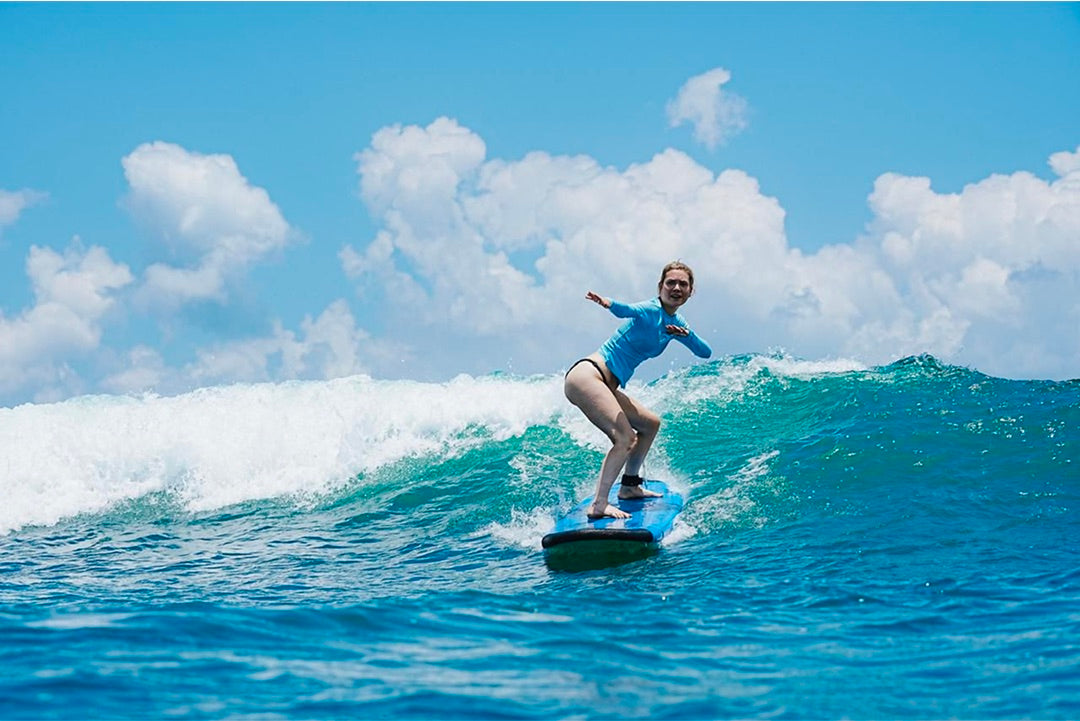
<point x="643" y="337"/>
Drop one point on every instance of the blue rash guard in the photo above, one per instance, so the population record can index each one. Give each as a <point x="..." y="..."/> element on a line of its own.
<point x="643" y="337"/>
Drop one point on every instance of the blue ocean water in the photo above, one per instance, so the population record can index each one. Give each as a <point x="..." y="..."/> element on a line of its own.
<point x="892" y="542"/>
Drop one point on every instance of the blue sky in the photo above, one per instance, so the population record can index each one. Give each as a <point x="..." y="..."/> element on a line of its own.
<point x="209" y="193"/>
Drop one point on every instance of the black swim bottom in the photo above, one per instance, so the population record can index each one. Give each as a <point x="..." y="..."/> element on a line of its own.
<point x="594" y="365"/>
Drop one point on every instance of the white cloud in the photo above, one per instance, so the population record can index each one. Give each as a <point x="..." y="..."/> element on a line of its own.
<point x="715" y="114"/>
<point x="409" y="166"/>
<point x="208" y="215"/>
<point x="141" y="369"/>
<point x="492" y="257"/>
<point x="503" y="252"/>
<point x="1065" y="163"/>
<point x="330" y="345"/>
<point x="482" y="264"/>
<point x="13" y="203"/>
<point x="73" y="292"/>
<point x="1000" y="257"/>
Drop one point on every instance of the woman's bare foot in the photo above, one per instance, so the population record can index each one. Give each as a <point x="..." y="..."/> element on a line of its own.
<point x="629" y="493"/>
<point x="609" y="511"/>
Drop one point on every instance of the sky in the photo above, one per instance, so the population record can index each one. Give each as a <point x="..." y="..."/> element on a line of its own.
<point x="203" y="194"/>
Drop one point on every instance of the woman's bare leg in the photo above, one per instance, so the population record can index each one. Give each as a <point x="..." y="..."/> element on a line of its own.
<point x="587" y="389"/>
<point x="646" y="425"/>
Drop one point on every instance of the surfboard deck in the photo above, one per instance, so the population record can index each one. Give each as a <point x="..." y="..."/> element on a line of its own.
<point x="650" y="520"/>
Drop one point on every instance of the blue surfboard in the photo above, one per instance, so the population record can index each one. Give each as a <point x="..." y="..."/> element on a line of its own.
<point x="650" y="520"/>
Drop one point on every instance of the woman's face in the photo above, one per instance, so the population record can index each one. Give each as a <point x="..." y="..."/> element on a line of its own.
<point x="675" y="288"/>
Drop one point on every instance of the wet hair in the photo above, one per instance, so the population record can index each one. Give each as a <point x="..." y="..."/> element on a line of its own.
<point x="677" y="265"/>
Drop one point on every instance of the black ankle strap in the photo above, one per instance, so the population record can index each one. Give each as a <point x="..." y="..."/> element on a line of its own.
<point x="628" y="480"/>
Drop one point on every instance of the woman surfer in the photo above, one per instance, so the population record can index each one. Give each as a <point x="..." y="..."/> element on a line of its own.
<point x="594" y="384"/>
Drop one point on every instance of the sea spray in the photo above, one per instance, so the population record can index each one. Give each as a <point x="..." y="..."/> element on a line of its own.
<point x="220" y="446"/>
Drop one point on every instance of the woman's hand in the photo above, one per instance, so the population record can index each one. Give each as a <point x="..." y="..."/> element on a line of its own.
<point x="677" y="330"/>
<point x="599" y="300"/>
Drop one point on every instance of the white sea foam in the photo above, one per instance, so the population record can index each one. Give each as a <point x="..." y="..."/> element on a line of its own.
<point x="734" y="502"/>
<point x="219" y="446"/>
<point x="524" y="529"/>
<point x="797" y="368"/>
<point x="728" y="380"/>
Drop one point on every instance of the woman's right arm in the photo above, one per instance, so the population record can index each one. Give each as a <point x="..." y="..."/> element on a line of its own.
<point x="617" y="308"/>
<point x="598" y="299"/>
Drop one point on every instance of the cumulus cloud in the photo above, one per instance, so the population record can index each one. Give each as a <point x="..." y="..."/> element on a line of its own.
<point x="481" y="264"/>
<point x="215" y="224"/>
<point x="208" y="215"/>
<point x="495" y="255"/>
<point x="501" y="252"/>
<point x="330" y="345"/>
<point x="73" y="291"/>
<point x="996" y="264"/>
<point x="1065" y="163"/>
<point x="715" y="114"/>
<point x="140" y="369"/>
<point x="13" y="203"/>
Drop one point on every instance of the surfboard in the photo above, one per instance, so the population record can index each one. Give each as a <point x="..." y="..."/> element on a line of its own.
<point x="639" y="535"/>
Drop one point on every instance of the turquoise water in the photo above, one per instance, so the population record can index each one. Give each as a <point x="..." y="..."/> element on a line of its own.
<point x="857" y="542"/>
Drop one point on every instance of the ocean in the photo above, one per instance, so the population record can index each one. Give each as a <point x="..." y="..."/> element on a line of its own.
<point x="857" y="542"/>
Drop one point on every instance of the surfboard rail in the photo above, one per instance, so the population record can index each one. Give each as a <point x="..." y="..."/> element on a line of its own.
<point x="650" y="520"/>
<point x="639" y="535"/>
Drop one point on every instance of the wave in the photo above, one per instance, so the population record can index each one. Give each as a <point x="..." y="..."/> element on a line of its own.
<point x="750" y="438"/>
<point x="219" y="446"/>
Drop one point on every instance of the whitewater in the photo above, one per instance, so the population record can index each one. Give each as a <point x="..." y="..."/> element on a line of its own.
<point x="859" y="542"/>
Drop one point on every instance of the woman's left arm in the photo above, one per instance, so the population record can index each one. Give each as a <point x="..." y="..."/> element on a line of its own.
<point x="691" y="340"/>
